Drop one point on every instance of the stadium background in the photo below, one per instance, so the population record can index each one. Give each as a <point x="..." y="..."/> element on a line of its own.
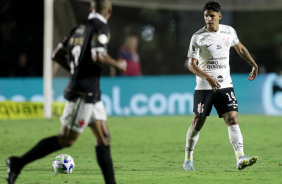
<point x="164" y="29"/>
<point x="146" y="149"/>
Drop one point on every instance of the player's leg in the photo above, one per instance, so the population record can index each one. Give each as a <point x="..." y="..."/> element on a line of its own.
<point x="234" y="132"/>
<point x="227" y="108"/>
<point x="192" y="138"/>
<point x="202" y="108"/>
<point x="226" y="105"/>
<point x="101" y="132"/>
<point x="236" y="140"/>
<point x="69" y="133"/>
<point x="102" y="145"/>
<point x="44" y="147"/>
<point x="66" y="138"/>
<point x="41" y="149"/>
<point x="102" y="148"/>
<point x="192" y="135"/>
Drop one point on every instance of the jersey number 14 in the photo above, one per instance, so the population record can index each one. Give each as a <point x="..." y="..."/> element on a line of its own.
<point x="231" y="96"/>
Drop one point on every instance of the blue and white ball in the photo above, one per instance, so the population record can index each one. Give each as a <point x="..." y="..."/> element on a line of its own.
<point x="63" y="164"/>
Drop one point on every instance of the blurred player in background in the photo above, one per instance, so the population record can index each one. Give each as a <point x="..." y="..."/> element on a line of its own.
<point x="86" y="49"/>
<point x="209" y="60"/>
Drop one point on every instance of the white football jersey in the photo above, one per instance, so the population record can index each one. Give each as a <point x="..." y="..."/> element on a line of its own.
<point x="211" y="49"/>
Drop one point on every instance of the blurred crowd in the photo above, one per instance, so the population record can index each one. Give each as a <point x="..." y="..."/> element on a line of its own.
<point x="21" y="40"/>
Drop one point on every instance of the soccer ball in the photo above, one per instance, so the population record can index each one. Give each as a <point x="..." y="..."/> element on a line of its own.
<point x="63" y="164"/>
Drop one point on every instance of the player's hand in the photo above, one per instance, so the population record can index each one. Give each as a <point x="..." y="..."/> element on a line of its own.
<point x="253" y="74"/>
<point x="98" y="57"/>
<point x="122" y="65"/>
<point x="213" y="83"/>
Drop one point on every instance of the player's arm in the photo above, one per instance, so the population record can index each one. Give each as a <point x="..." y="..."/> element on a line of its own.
<point x="244" y="53"/>
<point x="194" y="68"/>
<point x="107" y="60"/>
<point x="99" y="52"/>
<point x="59" y="55"/>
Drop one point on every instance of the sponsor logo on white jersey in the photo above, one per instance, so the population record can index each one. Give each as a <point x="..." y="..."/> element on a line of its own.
<point x="213" y="64"/>
<point x="225" y="32"/>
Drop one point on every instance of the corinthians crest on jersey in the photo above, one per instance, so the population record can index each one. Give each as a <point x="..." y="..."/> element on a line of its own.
<point x="200" y="108"/>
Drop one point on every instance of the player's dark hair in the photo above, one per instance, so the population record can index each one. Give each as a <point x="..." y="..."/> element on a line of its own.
<point x="212" y="6"/>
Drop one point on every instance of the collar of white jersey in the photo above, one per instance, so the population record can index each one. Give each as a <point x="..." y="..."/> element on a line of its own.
<point x="93" y="14"/>
<point x="217" y="32"/>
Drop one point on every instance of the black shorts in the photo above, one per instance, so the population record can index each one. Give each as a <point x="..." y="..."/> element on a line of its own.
<point x="224" y="100"/>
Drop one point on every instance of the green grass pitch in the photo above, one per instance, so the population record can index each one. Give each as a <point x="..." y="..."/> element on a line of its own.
<point x="150" y="150"/>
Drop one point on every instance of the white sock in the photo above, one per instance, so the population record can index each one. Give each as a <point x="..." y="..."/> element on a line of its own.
<point x="236" y="139"/>
<point x="192" y="138"/>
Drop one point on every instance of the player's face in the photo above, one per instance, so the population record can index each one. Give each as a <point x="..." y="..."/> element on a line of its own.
<point x="212" y="19"/>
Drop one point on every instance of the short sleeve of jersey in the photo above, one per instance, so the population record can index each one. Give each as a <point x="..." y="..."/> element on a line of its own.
<point x="100" y="40"/>
<point x="65" y="41"/>
<point x="193" y="51"/>
<point x="235" y="39"/>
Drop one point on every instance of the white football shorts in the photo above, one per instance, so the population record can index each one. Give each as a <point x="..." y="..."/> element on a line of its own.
<point x="77" y="114"/>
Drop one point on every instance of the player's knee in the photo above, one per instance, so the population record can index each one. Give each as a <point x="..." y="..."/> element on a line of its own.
<point x="198" y="122"/>
<point x="68" y="143"/>
<point x="105" y="141"/>
<point x="65" y="142"/>
<point x="231" y="120"/>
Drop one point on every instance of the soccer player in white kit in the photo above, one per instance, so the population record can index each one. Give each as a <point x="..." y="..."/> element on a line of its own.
<point x="209" y="60"/>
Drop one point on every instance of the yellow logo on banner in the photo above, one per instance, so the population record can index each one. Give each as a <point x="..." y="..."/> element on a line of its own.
<point x="25" y="110"/>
